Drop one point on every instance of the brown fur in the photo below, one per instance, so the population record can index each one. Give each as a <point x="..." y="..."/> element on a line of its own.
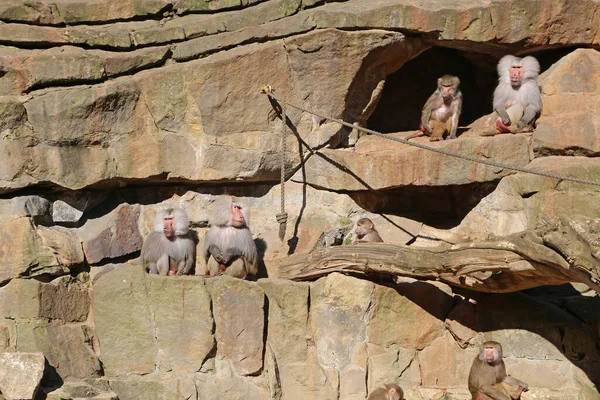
<point x="365" y="232"/>
<point x="442" y="110"/>
<point x="488" y="379"/>
<point x="391" y="392"/>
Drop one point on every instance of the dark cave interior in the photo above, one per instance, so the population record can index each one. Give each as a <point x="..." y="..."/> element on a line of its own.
<point x="403" y="96"/>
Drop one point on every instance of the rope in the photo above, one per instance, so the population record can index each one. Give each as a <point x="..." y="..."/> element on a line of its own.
<point x="435" y="150"/>
<point x="282" y="216"/>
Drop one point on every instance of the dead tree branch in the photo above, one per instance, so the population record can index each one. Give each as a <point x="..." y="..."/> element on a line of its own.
<point x="562" y="250"/>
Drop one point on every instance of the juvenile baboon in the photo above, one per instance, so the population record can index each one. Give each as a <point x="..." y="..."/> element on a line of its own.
<point x="365" y="232"/>
<point x="391" y="392"/>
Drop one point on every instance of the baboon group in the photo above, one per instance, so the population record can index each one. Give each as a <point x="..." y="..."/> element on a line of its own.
<point x="518" y="103"/>
<point x="487" y="379"/>
<point x="517" y="100"/>
<point x="229" y="249"/>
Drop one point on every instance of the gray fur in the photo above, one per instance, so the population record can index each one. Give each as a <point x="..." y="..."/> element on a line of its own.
<point x="225" y="243"/>
<point x="158" y="251"/>
<point x="528" y="93"/>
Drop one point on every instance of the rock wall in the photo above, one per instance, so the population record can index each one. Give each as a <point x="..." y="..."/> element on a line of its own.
<point x="143" y="336"/>
<point x="111" y="110"/>
<point x="166" y="89"/>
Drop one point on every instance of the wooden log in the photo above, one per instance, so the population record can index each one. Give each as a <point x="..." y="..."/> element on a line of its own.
<point x="514" y="263"/>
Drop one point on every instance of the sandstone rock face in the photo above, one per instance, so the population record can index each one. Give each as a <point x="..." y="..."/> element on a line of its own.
<point x="338" y="306"/>
<point x="21" y="250"/>
<point x="155" y="336"/>
<point x="414" y="333"/>
<point x="524" y="200"/>
<point x="239" y="321"/>
<point x="389" y="306"/>
<point x="184" y="331"/>
<point x="288" y="313"/>
<point x="110" y="110"/>
<point x="570" y="127"/>
<point x="50" y="317"/>
<point x="67" y="348"/>
<point x="112" y="236"/>
<point x="20" y="374"/>
<point x="374" y="166"/>
<point x="124" y="289"/>
<point x="161" y="92"/>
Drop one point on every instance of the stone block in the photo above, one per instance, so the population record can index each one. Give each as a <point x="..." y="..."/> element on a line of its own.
<point x="353" y="384"/>
<point x="444" y="364"/>
<point x="84" y="11"/>
<point x="21" y="251"/>
<point x="113" y="235"/>
<point x="123" y="322"/>
<point x="86" y="114"/>
<point x="569" y="87"/>
<point x="51" y="66"/>
<point x="121" y="63"/>
<point x="64" y="212"/>
<point x="64" y="243"/>
<point x="184" y="323"/>
<point x="548" y="374"/>
<point x="20" y="299"/>
<point x="339" y="307"/>
<point x="31" y="206"/>
<point x="25" y="338"/>
<point x="211" y="387"/>
<point x="165" y="96"/>
<point x="20" y="375"/>
<point x="412" y="314"/>
<point x="462" y="323"/>
<point x="13" y="117"/>
<point x="238" y="308"/>
<point x="393" y="364"/>
<point x="287" y="318"/>
<point x="102" y="36"/>
<point x="155" y="387"/>
<point x="301" y="381"/>
<point x="68" y="302"/>
<point x="68" y="349"/>
<point x="93" y="389"/>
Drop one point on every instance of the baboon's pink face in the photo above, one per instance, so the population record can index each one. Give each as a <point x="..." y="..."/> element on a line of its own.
<point x="236" y="218"/>
<point x="491" y="354"/>
<point x="516" y="75"/>
<point x="447" y="91"/>
<point x="169" y="226"/>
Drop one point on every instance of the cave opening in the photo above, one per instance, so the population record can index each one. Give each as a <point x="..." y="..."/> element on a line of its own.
<point x="407" y="89"/>
<point x="399" y="109"/>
